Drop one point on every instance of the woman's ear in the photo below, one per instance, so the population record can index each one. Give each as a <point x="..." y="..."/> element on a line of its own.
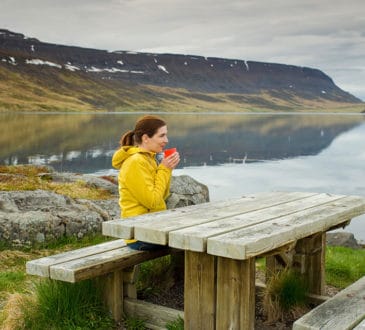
<point x="145" y="138"/>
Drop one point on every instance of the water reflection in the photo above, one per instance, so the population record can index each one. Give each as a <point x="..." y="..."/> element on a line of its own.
<point x="86" y="142"/>
<point x="338" y="169"/>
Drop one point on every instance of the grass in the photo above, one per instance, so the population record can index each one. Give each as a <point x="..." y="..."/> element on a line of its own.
<point x="344" y="266"/>
<point x="57" y="90"/>
<point x="21" y="294"/>
<point x="25" y="177"/>
<point x="18" y="290"/>
<point x="60" y="305"/>
<point x="285" y="292"/>
<point x="178" y="324"/>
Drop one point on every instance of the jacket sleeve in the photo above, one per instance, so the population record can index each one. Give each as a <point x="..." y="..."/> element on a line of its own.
<point x="150" y="188"/>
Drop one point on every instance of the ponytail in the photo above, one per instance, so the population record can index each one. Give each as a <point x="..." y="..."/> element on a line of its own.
<point x="127" y="139"/>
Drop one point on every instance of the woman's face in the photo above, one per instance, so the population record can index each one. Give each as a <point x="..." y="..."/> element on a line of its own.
<point x="157" y="142"/>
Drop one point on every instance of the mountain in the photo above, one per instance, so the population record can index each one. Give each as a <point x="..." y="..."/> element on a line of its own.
<point x="35" y="75"/>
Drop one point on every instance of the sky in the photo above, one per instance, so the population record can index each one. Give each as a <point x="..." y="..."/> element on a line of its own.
<point x="328" y="35"/>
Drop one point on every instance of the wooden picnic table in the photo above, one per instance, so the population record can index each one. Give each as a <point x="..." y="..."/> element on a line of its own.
<point x="222" y="239"/>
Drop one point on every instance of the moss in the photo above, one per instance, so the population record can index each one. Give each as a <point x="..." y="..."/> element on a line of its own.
<point x="27" y="177"/>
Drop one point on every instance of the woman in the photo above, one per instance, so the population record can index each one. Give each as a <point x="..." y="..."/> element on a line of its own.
<point x="143" y="183"/>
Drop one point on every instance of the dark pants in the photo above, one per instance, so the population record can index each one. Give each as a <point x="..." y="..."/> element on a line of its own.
<point x="143" y="246"/>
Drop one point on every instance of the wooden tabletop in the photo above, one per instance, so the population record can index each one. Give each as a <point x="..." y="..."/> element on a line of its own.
<point x="241" y="228"/>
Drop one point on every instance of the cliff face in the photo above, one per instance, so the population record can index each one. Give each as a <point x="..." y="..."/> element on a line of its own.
<point x="193" y="77"/>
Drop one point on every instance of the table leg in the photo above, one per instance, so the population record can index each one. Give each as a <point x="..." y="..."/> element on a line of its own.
<point x="309" y="259"/>
<point x="235" y="294"/>
<point x="199" y="291"/>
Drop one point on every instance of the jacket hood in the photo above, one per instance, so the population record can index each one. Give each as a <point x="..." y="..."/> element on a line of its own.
<point x="124" y="153"/>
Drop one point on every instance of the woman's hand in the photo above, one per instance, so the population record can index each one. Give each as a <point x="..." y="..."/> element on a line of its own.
<point x="171" y="161"/>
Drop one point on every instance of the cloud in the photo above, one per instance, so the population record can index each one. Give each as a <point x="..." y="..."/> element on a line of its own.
<point x="328" y="35"/>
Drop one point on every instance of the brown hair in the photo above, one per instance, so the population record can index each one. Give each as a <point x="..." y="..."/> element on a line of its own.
<point x="145" y="125"/>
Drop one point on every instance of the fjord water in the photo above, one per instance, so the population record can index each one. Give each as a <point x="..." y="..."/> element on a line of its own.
<point x="233" y="154"/>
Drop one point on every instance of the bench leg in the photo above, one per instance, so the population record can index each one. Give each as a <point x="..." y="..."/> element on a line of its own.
<point x="235" y="294"/>
<point x="112" y="284"/>
<point x="129" y="281"/>
<point x="199" y="291"/>
<point x="309" y="260"/>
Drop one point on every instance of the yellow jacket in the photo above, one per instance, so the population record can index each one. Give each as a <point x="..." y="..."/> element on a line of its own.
<point x="143" y="185"/>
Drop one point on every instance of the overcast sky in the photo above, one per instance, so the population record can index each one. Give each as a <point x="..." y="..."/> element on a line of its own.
<point x="325" y="34"/>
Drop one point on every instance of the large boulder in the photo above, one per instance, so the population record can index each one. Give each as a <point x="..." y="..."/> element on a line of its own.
<point x="186" y="191"/>
<point x="342" y="239"/>
<point x="28" y="217"/>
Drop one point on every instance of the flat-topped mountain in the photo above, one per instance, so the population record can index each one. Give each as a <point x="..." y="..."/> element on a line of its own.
<point x="45" y="76"/>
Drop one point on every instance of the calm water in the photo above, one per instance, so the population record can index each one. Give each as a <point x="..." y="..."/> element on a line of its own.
<point x="233" y="154"/>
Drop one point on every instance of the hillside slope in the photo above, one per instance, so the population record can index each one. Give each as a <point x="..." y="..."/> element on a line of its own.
<point x="37" y="76"/>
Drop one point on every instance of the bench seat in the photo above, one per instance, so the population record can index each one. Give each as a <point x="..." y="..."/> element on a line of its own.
<point x="111" y="262"/>
<point x="90" y="262"/>
<point x="343" y="311"/>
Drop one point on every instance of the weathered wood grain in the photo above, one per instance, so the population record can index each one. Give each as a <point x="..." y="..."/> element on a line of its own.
<point x="155" y="316"/>
<point x="195" y="238"/>
<point x="41" y="266"/>
<point x="343" y="311"/>
<point x="199" y="291"/>
<point x="235" y="294"/>
<point x="154" y="227"/>
<point x="267" y="236"/>
<point x="102" y="263"/>
<point x="112" y="285"/>
<point x="159" y="232"/>
<point x="309" y="260"/>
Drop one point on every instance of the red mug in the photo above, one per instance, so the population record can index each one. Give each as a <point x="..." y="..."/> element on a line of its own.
<point x="169" y="152"/>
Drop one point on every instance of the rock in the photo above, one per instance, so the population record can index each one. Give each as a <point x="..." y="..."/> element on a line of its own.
<point x="186" y="191"/>
<point x="342" y="239"/>
<point x="29" y="217"/>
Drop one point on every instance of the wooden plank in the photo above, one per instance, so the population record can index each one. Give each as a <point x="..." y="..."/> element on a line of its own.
<point x="187" y="216"/>
<point x="235" y="294"/>
<point x="195" y="238"/>
<point x="199" y="291"/>
<point x="155" y="316"/>
<point x="158" y="231"/>
<point x="102" y="263"/>
<point x="41" y="266"/>
<point x="124" y="228"/>
<point x="360" y="326"/>
<point x="265" y="237"/>
<point x="343" y="311"/>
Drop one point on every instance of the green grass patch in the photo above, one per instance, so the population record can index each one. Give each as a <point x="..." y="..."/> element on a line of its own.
<point x="344" y="266"/>
<point x="67" y="306"/>
<point x="285" y="293"/>
<point x="12" y="281"/>
<point x="178" y="324"/>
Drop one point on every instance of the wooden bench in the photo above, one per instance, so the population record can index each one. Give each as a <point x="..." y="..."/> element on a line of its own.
<point x="345" y="310"/>
<point x="111" y="263"/>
